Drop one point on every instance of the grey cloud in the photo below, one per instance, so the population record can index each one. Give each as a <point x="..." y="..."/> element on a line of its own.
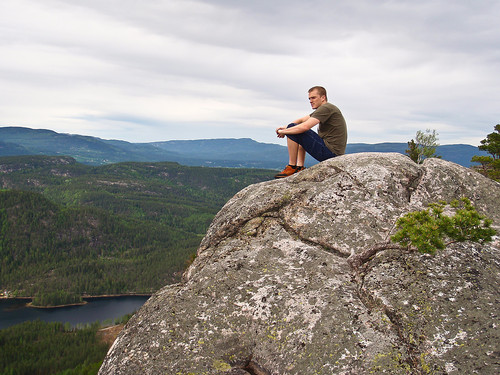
<point x="391" y="64"/>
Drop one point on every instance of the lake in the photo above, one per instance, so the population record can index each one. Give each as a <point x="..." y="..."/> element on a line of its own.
<point x="14" y="311"/>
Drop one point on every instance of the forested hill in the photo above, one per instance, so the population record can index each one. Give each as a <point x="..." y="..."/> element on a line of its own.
<point x="111" y="229"/>
<point x="239" y="153"/>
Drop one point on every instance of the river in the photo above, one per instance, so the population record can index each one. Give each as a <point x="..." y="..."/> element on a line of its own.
<point x="14" y="311"/>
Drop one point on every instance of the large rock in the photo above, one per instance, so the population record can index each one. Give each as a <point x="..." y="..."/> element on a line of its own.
<point x="272" y="291"/>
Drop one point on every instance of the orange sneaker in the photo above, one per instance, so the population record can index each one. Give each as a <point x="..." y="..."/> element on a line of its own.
<point x="288" y="171"/>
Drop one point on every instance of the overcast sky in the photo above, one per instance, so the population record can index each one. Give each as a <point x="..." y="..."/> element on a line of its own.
<point x="157" y="70"/>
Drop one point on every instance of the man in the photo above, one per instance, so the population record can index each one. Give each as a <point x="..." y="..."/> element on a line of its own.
<point x="330" y="141"/>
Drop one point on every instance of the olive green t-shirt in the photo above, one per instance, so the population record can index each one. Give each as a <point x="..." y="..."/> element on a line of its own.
<point x="332" y="127"/>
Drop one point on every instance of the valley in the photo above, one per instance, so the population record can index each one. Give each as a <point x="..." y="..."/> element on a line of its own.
<point x="125" y="228"/>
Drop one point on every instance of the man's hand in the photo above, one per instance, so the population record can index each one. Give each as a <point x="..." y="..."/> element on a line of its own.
<point x="280" y="135"/>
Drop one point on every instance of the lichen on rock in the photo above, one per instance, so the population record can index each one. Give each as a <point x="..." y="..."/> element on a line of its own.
<point x="273" y="291"/>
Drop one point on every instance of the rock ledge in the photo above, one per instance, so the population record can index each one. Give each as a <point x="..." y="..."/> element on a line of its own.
<point x="272" y="292"/>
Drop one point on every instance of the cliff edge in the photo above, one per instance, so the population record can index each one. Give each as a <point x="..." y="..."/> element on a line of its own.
<point x="273" y="291"/>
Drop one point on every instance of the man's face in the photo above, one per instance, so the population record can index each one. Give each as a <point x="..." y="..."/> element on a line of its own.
<point x="315" y="99"/>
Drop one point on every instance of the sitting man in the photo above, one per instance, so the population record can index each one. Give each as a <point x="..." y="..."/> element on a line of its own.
<point x="330" y="141"/>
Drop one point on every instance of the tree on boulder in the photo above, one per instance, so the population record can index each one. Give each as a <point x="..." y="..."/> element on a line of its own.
<point x="490" y="165"/>
<point x="424" y="147"/>
<point x="430" y="230"/>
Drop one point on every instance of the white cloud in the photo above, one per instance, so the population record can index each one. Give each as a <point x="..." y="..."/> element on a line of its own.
<point x="172" y="69"/>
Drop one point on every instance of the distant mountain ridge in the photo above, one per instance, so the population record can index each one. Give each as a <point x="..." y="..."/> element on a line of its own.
<point x="231" y="152"/>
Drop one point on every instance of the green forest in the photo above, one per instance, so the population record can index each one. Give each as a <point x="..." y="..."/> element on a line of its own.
<point x="121" y="228"/>
<point x="52" y="348"/>
<point x="68" y="230"/>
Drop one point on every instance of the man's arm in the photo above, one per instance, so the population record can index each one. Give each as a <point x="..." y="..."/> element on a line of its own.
<point x="304" y="124"/>
<point x="302" y="119"/>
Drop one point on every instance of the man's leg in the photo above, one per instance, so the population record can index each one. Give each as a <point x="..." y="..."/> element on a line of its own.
<point x="311" y="143"/>
<point x="293" y="151"/>
<point x="296" y="157"/>
<point x="301" y="156"/>
<point x="296" y="153"/>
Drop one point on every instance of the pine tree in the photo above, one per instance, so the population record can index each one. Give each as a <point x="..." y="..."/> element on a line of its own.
<point x="424" y="147"/>
<point x="490" y="165"/>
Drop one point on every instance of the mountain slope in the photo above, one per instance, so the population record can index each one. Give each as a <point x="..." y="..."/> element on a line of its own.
<point x="116" y="228"/>
<point x="85" y="149"/>
<point x="46" y="247"/>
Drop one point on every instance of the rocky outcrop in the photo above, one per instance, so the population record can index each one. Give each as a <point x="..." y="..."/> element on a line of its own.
<point x="272" y="290"/>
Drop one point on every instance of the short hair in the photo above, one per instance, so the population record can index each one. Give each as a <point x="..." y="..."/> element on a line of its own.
<point x="321" y="91"/>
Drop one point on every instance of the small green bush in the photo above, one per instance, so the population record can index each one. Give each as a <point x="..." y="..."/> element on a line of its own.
<point x="430" y="230"/>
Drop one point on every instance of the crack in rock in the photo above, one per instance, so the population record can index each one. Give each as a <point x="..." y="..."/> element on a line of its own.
<point x="413" y="183"/>
<point x="371" y="301"/>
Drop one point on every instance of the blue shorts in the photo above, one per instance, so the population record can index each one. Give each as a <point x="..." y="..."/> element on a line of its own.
<point x="312" y="143"/>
